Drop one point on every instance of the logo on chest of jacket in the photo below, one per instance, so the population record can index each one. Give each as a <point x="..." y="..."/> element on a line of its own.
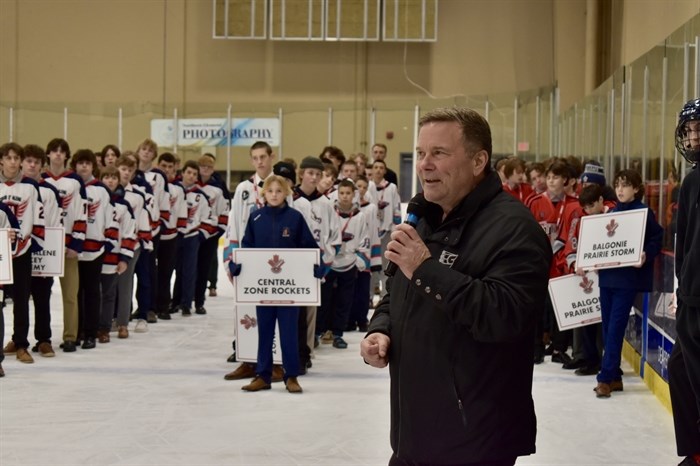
<point x="285" y="232"/>
<point x="448" y="258"/>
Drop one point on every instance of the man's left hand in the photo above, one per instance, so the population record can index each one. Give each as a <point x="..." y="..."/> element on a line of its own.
<point x="406" y="249"/>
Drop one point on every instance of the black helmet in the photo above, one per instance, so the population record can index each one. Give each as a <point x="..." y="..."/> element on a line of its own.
<point x="688" y="147"/>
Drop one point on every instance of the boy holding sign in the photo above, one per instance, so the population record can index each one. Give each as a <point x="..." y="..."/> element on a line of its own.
<point x="619" y="286"/>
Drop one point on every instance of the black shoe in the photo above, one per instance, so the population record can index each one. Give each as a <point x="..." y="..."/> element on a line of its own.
<point x="200" y="310"/>
<point x="89" y="343"/>
<point x="549" y="351"/>
<point x="151" y="317"/>
<point x="363" y="327"/>
<point x="134" y="315"/>
<point x="351" y="328"/>
<point x="539" y="354"/>
<point x="68" y="346"/>
<point x="302" y="369"/>
<point x="592" y="369"/>
<point x="561" y="357"/>
<point x="164" y="316"/>
<point x="186" y="311"/>
<point x="309" y="365"/>
<point x="574" y="364"/>
<point x="232" y="358"/>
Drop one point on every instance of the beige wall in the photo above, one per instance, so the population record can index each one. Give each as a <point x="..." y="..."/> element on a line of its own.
<point x="149" y="57"/>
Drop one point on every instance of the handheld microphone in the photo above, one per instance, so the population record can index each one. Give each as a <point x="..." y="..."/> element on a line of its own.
<point x="414" y="211"/>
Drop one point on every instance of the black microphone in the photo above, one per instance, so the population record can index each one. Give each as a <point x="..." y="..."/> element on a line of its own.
<point x="414" y="212"/>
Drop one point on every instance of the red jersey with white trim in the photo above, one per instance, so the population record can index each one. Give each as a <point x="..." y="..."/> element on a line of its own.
<point x="123" y="218"/>
<point x="218" y="203"/>
<point x="51" y="200"/>
<point x="570" y="234"/>
<point x="178" y="212"/>
<point x="100" y="221"/>
<point x="70" y="187"/>
<point x="521" y="191"/>
<point x="160" y="212"/>
<point x="199" y="219"/>
<point x="550" y="216"/>
<point x="21" y="196"/>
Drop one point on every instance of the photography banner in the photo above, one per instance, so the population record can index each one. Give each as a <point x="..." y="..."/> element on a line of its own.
<point x="576" y="300"/>
<point x="200" y="132"/>
<point x="277" y="277"/>
<point x="49" y="261"/>
<point x="611" y="240"/>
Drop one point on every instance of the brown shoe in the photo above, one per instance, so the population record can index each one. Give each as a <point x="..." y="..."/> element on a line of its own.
<point x="24" y="356"/>
<point x="10" y="348"/>
<point x="103" y="336"/>
<point x="277" y="374"/>
<point x="122" y="332"/>
<point x="293" y="385"/>
<point x="616" y="386"/>
<point x="245" y="371"/>
<point x="256" y="385"/>
<point x="602" y="390"/>
<point x="45" y="349"/>
<point x="327" y="337"/>
<point x="212" y="292"/>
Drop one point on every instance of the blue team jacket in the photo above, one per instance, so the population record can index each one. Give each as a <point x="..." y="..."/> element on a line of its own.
<point x="633" y="278"/>
<point x="278" y="227"/>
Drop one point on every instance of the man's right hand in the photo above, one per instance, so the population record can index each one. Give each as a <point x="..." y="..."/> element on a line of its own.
<point x="375" y="349"/>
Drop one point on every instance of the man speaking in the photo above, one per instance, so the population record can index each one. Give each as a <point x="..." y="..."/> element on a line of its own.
<point x="457" y="325"/>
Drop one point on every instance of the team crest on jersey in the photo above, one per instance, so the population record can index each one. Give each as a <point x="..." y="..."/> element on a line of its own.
<point x="245" y="195"/>
<point x="448" y="258"/>
<point x="285" y="232"/>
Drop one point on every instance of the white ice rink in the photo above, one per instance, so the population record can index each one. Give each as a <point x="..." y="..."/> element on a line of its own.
<point x="160" y="399"/>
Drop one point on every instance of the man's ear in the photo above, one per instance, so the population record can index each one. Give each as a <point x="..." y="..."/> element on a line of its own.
<point x="481" y="159"/>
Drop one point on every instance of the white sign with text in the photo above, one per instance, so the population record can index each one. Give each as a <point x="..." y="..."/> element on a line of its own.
<point x="576" y="300"/>
<point x="6" y="277"/>
<point x="201" y="132"/>
<point x="611" y="240"/>
<point x="49" y="261"/>
<point x="277" y="277"/>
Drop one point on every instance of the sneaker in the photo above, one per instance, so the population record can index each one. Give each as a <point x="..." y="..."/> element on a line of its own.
<point x="200" y="310"/>
<point x="10" y="348"/>
<point x="186" y="311"/>
<point x="44" y="349"/>
<point x="89" y="343"/>
<point x="24" y="356"/>
<point x="256" y="384"/>
<point x="114" y="327"/>
<point x="151" y="317"/>
<point x="327" y="338"/>
<point x="277" y="373"/>
<point x="141" y="326"/>
<point x="68" y="346"/>
<point x="245" y="371"/>
<point x="212" y="292"/>
<point x="103" y="336"/>
<point x="293" y="385"/>
<point x="339" y="343"/>
<point x="122" y="332"/>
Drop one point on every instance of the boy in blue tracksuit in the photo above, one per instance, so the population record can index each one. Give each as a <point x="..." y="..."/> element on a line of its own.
<point x="619" y="287"/>
<point x="276" y="225"/>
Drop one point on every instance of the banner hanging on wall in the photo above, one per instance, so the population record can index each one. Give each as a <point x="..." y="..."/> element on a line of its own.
<point x="200" y="132"/>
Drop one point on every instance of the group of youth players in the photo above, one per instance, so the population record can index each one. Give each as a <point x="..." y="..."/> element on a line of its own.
<point x="124" y="215"/>
<point x="140" y="214"/>
<point x="558" y="193"/>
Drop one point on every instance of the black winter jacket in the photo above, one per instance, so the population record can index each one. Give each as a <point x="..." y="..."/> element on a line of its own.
<point x="462" y="332"/>
<point x="688" y="241"/>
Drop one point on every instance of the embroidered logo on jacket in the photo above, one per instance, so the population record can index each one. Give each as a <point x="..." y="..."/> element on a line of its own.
<point x="448" y="258"/>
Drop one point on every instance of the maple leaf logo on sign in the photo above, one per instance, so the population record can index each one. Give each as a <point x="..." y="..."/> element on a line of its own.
<point x="249" y="322"/>
<point x="587" y="285"/>
<point x="611" y="227"/>
<point x="276" y="264"/>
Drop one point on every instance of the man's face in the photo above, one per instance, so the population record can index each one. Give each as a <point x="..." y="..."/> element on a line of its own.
<point x="326" y="182"/>
<point x="555" y="183"/>
<point x="189" y="176"/>
<point x="445" y="169"/>
<point x="378" y="153"/>
<point x="345" y="196"/>
<point x="57" y="156"/>
<point x="350" y="171"/>
<point x="146" y="154"/>
<point x="31" y="167"/>
<point x="168" y="168"/>
<point x="109" y="159"/>
<point x="111" y="181"/>
<point x="262" y="162"/>
<point x="11" y="163"/>
<point x="84" y="169"/>
<point x="310" y="178"/>
<point x="125" y="174"/>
